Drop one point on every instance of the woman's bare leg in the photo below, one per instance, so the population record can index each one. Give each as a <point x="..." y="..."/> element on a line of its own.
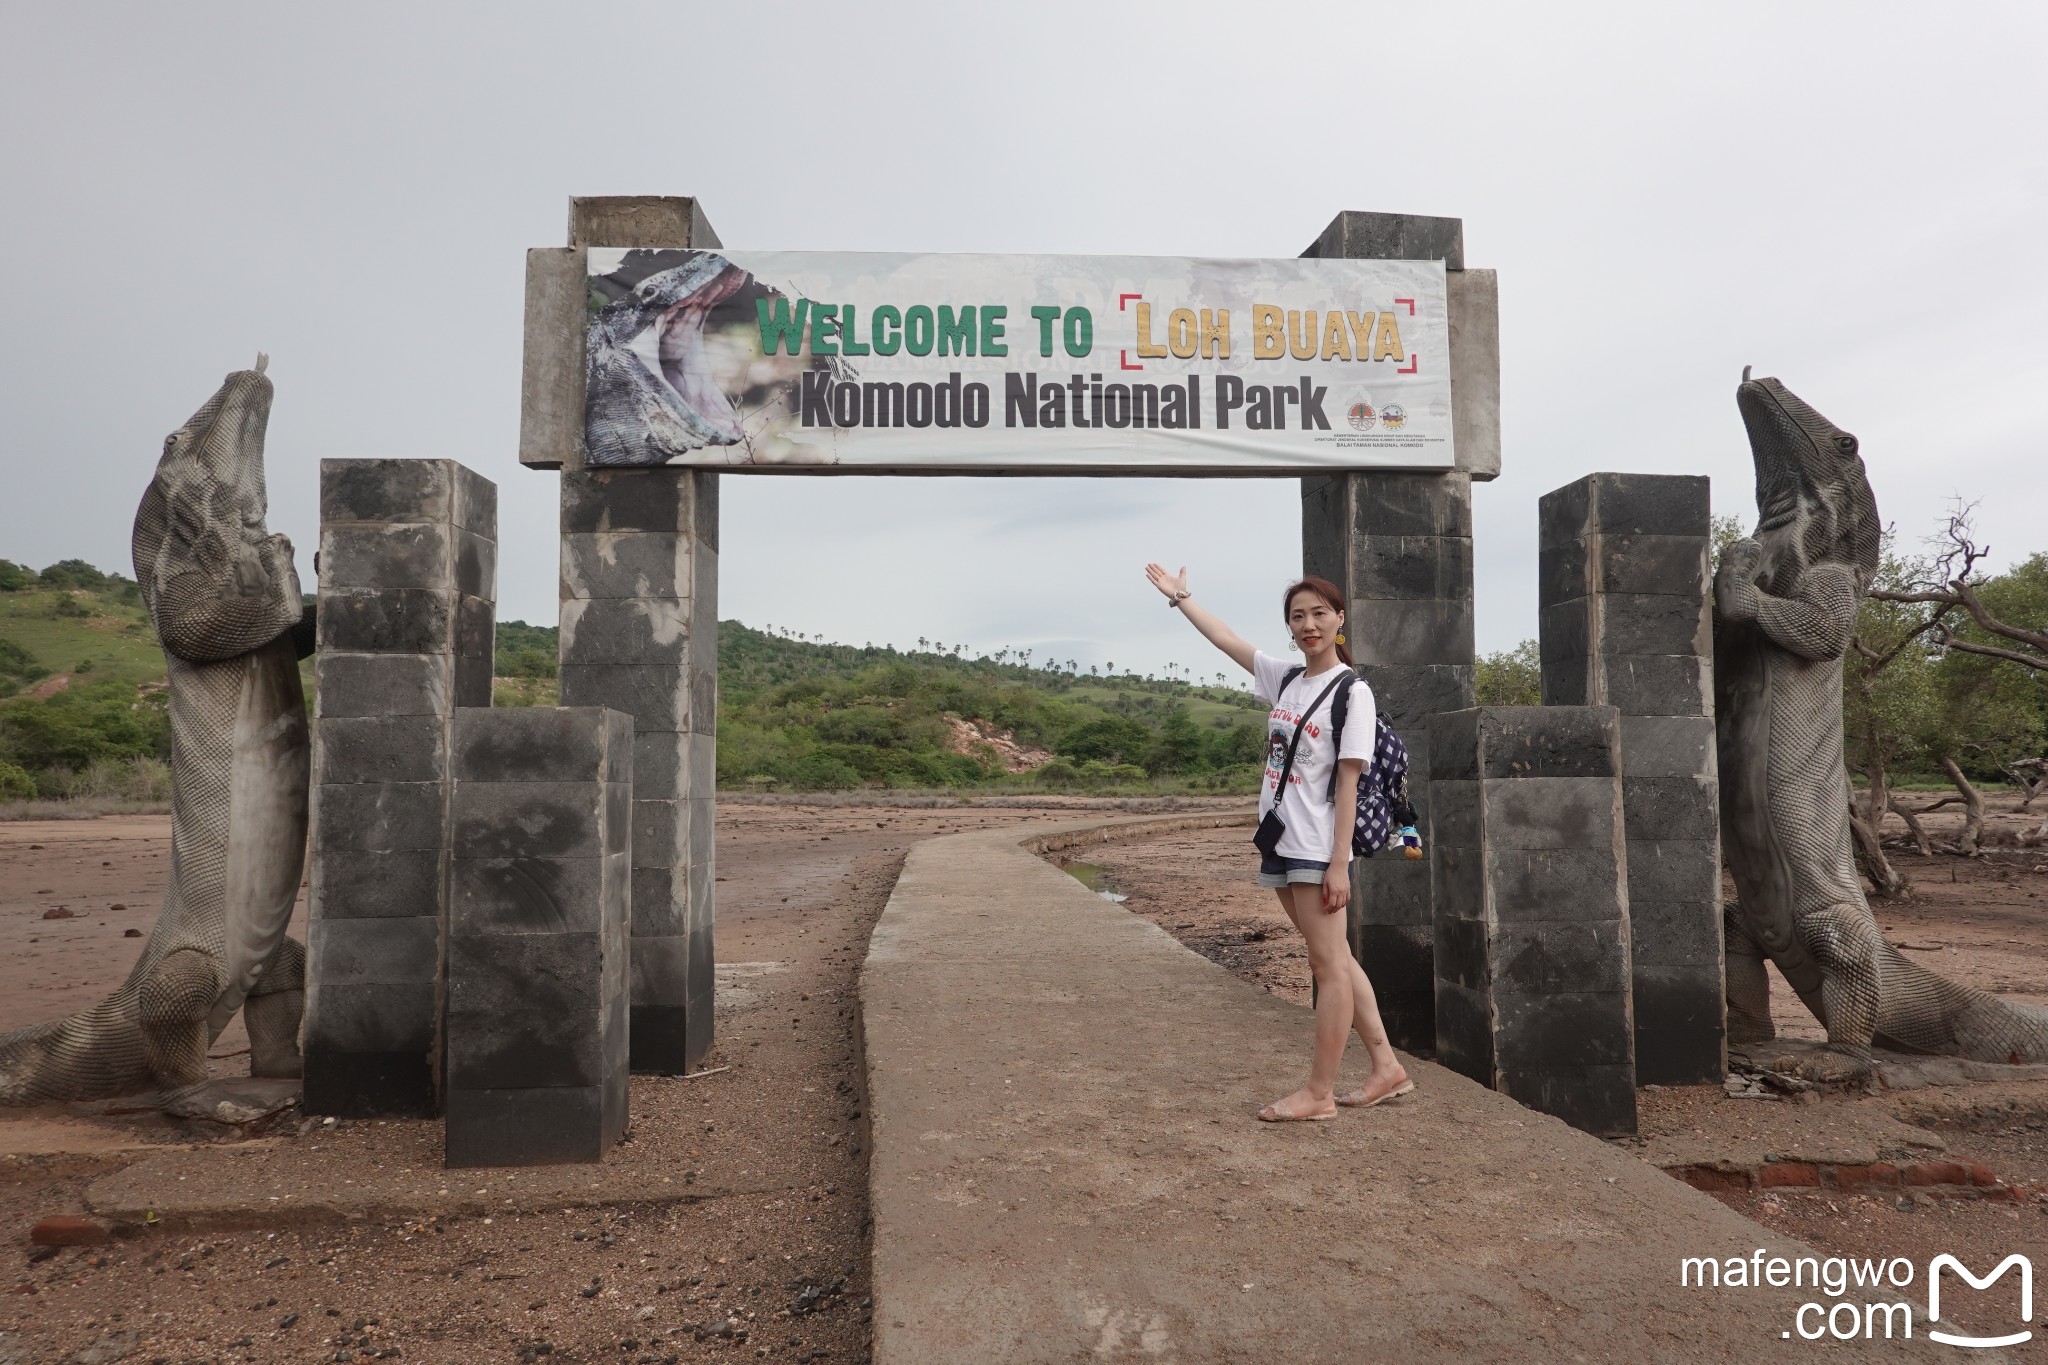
<point x="1387" y="1072"/>
<point x="1329" y="957"/>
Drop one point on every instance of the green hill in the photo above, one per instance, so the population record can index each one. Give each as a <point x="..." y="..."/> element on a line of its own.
<point x="82" y="677"/>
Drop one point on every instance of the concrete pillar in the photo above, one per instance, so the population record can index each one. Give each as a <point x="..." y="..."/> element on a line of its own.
<point x="541" y="820"/>
<point x="639" y="622"/>
<point x="1532" y="927"/>
<point x="1623" y="589"/>
<point x="408" y="582"/>
<point x="1400" y="546"/>
<point x="639" y="617"/>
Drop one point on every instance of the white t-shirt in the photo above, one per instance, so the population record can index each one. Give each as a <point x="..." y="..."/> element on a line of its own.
<point x="1306" y="808"/>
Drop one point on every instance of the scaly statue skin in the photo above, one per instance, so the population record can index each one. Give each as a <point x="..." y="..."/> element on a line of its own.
<point x="1785" y="604"/>
<point x="225" y="600"/>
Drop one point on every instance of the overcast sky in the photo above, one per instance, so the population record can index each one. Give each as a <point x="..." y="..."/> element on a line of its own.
<point x="1851" y="197"/>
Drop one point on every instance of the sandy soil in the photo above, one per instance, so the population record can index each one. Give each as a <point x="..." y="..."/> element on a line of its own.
<point x="773" y="1252"/>
<point x="1982" y="921"/>
<point x="771" y="1240"/>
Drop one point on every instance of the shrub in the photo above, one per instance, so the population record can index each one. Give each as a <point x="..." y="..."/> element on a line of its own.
<point x="79" y="726"/>
<point x="15" y="783"/>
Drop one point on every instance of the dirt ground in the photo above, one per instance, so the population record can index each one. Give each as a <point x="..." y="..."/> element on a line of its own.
<point x="1982" y="921"/>
<point x="764" y="1257"/>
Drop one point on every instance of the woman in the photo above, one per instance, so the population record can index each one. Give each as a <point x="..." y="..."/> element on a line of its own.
<point x="1310" y="867"/>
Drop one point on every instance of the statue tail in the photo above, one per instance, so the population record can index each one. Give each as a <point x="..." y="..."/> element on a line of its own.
<point x="1921" y="1011"/>
<point x="87" y="1056"/>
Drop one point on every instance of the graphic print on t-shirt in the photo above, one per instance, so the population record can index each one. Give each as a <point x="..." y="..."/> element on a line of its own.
<point x="1305" y="807"/>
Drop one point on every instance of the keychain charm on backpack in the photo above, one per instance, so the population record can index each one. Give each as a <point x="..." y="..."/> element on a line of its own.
<point x="1411" y="842"/>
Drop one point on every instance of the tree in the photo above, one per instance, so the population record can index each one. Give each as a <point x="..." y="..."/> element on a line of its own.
<point x="1887" y="708"/>
<point x="1511" y="677"/>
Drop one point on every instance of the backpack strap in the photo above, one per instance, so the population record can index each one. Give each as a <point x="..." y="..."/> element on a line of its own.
<point x="1290" y="675"/>
<point x="1340" y="706"/>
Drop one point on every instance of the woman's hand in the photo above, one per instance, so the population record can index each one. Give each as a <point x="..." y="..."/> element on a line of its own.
<point x="1336" y="886"/>
<point x="1169" y="585"/>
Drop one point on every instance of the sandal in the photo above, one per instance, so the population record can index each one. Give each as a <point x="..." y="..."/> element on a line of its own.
<point x="1357" y="1100"/>
<point x="1273" y="1113"/>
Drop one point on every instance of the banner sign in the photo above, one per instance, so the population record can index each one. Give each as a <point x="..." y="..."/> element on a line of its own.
<point x="1029" y="364"/>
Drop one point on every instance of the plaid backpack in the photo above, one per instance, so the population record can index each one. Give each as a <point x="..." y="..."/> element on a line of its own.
<point x="1384" y="815"/>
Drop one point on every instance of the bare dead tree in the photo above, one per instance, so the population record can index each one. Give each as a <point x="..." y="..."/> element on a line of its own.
<point x="1953" y="584"/>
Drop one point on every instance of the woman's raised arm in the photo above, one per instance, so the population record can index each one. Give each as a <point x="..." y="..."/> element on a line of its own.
<point x="1175" y="589"/>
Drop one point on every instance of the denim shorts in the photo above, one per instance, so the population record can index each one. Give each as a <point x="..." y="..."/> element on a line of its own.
<point x="1278" y="872"/>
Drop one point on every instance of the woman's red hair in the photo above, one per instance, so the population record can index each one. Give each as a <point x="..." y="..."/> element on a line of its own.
<point x="1332" y="598"/>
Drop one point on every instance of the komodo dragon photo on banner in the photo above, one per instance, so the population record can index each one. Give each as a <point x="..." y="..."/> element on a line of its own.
<point x="1785" y="605"/>
<point x="224" y="597"/>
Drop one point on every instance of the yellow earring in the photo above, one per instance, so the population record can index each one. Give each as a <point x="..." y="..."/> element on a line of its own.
<point x="1340" y="638"/>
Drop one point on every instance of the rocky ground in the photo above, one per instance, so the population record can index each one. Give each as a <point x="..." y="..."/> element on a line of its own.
<point x="758" y="1251"/>
<point x="1982" y="921"/>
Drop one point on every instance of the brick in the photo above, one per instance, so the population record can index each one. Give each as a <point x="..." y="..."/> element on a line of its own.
<point x="381" y="684"/>
<point x="1550" y="812"/>
<point x="539" y="1126"/>
<point x="388" y="621"/>
<point x="1935" y="1173"/>
<point x="599" y="501"/>
<point x="625" y="631"/>
<point x="1407" y="693"/>
<point x="1463" y="958"/>
<point x="365" y="952"/>
<point x="69" y="1230"/>
<point x="660" y="968"/>
<point x="376" y="1017"/>
<point x="1434" y="630"/>
<point x="362" y="1085"/>
<point x="1649" y="564"/>
<point x="527" y="820"/>
<point x="1670" y="808"/>
<point x="475" y="502"/>
<point x="1597" y="1099"/>
<point x="526" y="895"/>
<point x="1882" y="1176"/>
<point x="1526" y="885"/>
<point x="379" y="817"/>
<point x="1559" y="1031"/>
<point x="476" y="566"/>
<point x="530" y="744"/>
<point x="376" y="555"/>
<point x="403" y="748"/>
<point x="1556" y="958"/>
<point x="1410" y="567"/>
<point x="653" y="694"/>
<point x="1713" y="1180"/>
<point x="1655" y="623"/>
<point x="381" y="885"/>
<point x="627" y="564"/>
<point x="1667" y="746"/>
<point x="475" y="628"/>
<point x="1783" y="1175"/>
<point x="1463" y="1026"/>
<point x="386" y="490"/>
<point x="1657" y="684"/>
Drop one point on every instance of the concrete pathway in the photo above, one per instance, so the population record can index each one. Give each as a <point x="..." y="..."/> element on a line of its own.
<point x="1065" y="1165"/>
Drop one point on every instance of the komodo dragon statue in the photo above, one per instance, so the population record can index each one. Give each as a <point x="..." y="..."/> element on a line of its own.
<point x="1785" y="604"/>
<point x="225" y="601"/>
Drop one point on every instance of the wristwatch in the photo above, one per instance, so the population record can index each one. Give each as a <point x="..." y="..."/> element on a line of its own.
<point x="1177" y="598"/>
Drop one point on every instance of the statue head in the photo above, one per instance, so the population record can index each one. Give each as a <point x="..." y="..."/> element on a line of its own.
<point x="218" y="452"/>
<point x="1813" y="501"/>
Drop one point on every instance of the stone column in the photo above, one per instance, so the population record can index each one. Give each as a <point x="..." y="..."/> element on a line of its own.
<point x="639" y="620"/>
<point x="1623" y="589"/>
<point x="1399" y="544"/>
<point x="1532" y="928"/>
<point x="541" y="821"/>
<point x="408" y="581"/>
